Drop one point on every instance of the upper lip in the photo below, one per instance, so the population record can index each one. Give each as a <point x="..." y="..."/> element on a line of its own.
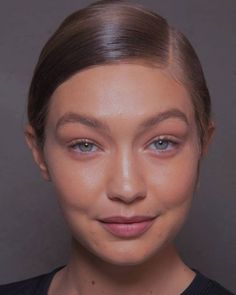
<point x="123" y="219"/>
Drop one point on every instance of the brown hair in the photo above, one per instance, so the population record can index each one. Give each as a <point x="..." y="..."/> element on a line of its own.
<point x="114" y="31"/>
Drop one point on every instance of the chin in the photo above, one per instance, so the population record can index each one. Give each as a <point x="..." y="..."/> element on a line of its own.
<point x="125" y="260"/>
<point x="128" y="253"/>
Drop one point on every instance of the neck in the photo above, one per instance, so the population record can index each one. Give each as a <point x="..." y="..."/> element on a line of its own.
<point x="86" y="274"/>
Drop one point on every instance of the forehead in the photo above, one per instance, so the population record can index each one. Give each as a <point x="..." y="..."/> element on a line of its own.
<point x="124" y="89"/>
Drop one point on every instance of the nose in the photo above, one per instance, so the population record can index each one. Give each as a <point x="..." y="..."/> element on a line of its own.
<point x="126" y="183"/>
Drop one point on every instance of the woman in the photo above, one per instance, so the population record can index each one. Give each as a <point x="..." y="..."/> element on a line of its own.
<point x="119" y="120"/>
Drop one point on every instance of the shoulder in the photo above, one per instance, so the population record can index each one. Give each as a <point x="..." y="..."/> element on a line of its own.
<point x="33" y="286"/>
<point x="205" y="286"/>
<point x="218" y="289"/>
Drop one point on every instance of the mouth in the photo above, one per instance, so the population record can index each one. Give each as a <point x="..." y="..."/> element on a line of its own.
<point x="127" y="227"/>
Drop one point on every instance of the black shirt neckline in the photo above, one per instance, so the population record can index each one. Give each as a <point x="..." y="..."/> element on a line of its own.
<point x="43" y="287"/>
<point x="198" y="283"/>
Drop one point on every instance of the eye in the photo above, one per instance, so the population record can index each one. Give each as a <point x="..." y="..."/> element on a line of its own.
<point x="163" y="144"/>
<point x="84" y="146"/>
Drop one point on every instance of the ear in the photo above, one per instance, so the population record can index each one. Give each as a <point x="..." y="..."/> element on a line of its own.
<point x="208" y="138"/>
<point x="37" y="151"/>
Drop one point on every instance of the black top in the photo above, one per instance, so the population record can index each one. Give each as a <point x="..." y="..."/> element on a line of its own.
<point x="39" y="285"/>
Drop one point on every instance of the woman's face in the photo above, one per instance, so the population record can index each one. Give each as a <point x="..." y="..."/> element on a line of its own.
<point x="122" y="151"/>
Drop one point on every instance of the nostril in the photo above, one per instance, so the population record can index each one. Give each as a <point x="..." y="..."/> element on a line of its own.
<point x="127" y="197"/>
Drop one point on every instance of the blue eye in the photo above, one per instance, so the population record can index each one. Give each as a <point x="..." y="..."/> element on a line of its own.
<point x="162" y="144"/>
<point x="84" y="146"/>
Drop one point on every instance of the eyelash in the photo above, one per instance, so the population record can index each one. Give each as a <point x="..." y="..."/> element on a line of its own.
<point x="170" y="144"/>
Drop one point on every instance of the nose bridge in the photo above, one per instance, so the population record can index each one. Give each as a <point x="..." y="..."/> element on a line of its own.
<point x="126" y="182"/>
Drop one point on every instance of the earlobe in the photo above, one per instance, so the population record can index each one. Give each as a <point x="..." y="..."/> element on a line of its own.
<point x="37" y="152"/>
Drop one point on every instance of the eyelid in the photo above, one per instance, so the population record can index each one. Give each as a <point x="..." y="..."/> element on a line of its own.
<point x="170" y="138"/>
<point x="79" y="140"/>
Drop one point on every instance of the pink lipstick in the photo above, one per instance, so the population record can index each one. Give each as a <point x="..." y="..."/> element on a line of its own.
<point x="126" y="227"/>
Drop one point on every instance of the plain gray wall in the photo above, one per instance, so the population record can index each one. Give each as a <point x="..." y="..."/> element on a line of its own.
<point x="33" y="236"/>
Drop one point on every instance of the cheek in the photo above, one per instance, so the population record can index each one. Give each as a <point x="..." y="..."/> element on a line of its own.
<point x="78" y="184"/>
<point x="173" y="182"/>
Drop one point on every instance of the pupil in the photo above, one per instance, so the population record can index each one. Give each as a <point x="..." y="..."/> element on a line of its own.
<point x="161" y="144"/>
<point x="85" y="146"/>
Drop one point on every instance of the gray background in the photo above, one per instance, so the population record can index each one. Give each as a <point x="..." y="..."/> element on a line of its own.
<point x="33" y="236"/>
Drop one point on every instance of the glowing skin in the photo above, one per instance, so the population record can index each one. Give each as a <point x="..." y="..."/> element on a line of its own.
<point x="122" y="169"/>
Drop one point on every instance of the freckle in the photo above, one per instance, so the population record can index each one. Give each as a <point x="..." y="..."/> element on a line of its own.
<point x="93" y="283"/>
<point x="150" y="292"/>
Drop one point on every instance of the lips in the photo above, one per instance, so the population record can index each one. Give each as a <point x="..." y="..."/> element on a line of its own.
<point x="127" y="227"/>
<point x="121" y="219"/>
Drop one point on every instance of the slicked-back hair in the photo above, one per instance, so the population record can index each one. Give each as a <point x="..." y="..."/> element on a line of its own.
<point x="108" y="32"/>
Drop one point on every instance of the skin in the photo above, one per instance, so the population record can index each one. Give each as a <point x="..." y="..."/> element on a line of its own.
<point x="125" y="170"/>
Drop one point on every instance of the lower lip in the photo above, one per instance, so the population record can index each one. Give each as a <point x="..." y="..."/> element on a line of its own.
<point x="128" y="230"/>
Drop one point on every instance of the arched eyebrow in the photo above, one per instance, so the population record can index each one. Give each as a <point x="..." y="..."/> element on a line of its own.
<point x="86" y="120"/>
<point x="160" y="117"/>
<point x="94" y="123"/>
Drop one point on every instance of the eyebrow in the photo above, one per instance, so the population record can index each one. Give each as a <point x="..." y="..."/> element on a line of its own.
<point x="91" y="122"/>
<point x="160" y="117"/>
<point x="94" y="123"/>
